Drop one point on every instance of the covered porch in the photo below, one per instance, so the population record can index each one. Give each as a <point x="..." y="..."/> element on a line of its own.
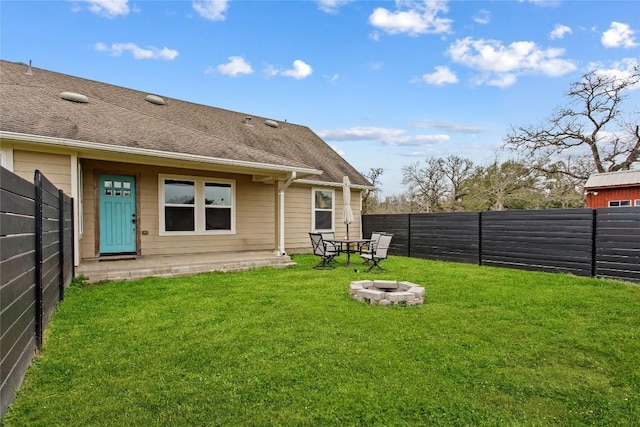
<point x="123" y="268"/>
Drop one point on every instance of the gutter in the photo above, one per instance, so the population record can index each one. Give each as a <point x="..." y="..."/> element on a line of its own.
<point x="281" y="248"/>
<point x="70" y="143"/>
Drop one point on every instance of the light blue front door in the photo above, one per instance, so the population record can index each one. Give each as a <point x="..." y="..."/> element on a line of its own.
<point x="117" y="214"/>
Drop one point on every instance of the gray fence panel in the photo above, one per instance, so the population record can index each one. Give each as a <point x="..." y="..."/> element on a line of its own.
<point x="446" y="236"/>
<point x="603" y="242"/>
<point x="17" y="285"/>
<point x="396" y="224"/>
<point x="618" y="243"/>
<point x="36" y="264"/>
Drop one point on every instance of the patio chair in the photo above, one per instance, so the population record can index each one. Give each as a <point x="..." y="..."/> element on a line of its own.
<point x="321" y="249"/>
<point x="330" y="235"/>
<point x="368" y="248"/>
<point x="378" y="253"/>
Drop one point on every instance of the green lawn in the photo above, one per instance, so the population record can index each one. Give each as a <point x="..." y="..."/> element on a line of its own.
<point x="289" y="347"/>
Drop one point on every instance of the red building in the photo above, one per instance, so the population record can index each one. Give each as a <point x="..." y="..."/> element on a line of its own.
<point x="613" y="189"/>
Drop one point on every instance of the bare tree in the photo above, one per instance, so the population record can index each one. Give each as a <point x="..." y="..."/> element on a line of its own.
<point x="427" y="185"/>
<point x="591" y="126"/>
<point x="457" y="170"/>
<point x="370" y="197"/>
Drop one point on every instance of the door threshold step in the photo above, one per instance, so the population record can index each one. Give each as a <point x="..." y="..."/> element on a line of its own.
<point x="116" y="257"/>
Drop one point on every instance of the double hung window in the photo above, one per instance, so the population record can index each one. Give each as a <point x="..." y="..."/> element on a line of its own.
<point x="196" y="205"/>
<point x="323" y="210"/>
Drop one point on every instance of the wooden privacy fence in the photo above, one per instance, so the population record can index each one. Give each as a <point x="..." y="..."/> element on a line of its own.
<point x="36" y="265"/>
<point x="587" y="242"/>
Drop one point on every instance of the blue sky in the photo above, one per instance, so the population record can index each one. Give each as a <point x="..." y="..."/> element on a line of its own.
<point x="386" y="84"/>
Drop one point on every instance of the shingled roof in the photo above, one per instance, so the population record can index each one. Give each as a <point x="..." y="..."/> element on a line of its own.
<point x="119" y="117"/>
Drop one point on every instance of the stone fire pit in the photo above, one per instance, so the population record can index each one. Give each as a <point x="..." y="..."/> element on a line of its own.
<point x="386" y="292"/>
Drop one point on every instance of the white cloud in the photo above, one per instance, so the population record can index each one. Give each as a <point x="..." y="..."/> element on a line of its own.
<point x="299" y="71"/>
<point x="333" y="79"/>
<point x="620" y="70"/>
<point x="331" y="6"/>
<point x="413" y="18"/>
<point x="449" y="126"/>
<point x="441" y="76"/>
<point x="213" y="10"/>
<point x="542" y="3"/>
<point x="387" y="136"/>
<point x="116" y="49"/>
<point x="109" y="8"/>
<point x="619" y="35"/>
<point x="483" y="17"/>
<point x="559" y="31"/>
<point x="236" y="66"/>
<point x="500" y="64"/>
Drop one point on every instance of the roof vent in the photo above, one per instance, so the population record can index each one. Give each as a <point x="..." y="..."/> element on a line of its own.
<point x="74" y="97"/>
<point x="154" y="99"/>
<point x="247" y="120"/>
<point x="271" y="123"/>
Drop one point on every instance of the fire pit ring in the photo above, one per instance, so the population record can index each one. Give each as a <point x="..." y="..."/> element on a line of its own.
<point x="386" y="292"/>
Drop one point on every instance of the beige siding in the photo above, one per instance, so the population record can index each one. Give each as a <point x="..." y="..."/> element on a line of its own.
<point x="255" y="206"/>
<point x="56" y="167"/>
<point x="298" y="214"/>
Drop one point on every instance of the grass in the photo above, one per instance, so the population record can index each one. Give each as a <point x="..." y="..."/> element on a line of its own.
<point x="290" y="347"/>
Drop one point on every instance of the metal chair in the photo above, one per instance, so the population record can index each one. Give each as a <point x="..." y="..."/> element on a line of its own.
<point x="378" y="253"/>
<point x="370" y="247"/>
<point x="321" y="249"/>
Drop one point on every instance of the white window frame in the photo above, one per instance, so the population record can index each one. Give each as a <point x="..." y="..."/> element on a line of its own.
<point x="199" y="205"/>
<point x="619" y="203"/>
<point x="313" y="209"/>
<point x="637" y="202"/>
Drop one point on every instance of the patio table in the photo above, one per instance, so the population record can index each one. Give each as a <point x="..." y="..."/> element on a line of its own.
<point x="349" y="246"/>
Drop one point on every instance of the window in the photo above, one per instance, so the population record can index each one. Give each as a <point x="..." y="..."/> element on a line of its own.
<point x="194" y="205"/>
<point x="619" y="203"/>
<point x="637" y="202"/>
<point x="322" y="210"/>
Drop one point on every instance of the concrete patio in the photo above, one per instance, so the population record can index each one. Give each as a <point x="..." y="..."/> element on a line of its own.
<point x="178" y="265"/>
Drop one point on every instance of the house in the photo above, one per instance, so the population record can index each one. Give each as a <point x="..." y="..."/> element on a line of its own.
<point x="152" y="175"/>
<point x="613" y="189"/>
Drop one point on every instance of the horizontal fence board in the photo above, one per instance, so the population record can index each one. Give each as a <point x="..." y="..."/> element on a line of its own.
<point x="16" y="224"/>
<point x="15" y="184"/>
<point x="17" y="203"/>
<point x="24" y="344"/>
<point x="17" y="266"/>
<point x="16" y="244"/>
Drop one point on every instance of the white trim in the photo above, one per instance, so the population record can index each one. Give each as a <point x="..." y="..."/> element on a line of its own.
<point x="281" y="209"/>
<point x="153" y="153"/>
<point x="76" y="193"/>
<point x="333" y="184"/>
<point x="313" y="210"/>
<point x="198" y="206"/>
<point x="6" y="156"/>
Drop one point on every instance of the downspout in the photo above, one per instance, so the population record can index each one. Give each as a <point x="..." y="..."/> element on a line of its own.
<point x="281" y="190"/>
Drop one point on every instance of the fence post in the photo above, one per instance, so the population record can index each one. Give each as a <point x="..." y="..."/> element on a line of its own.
<point x="594" y="233"/>
<point x="409" y="235"/>
<point x="38" y="288"/>
<point x="61" y="222"/>
<point x="479" y="238"/>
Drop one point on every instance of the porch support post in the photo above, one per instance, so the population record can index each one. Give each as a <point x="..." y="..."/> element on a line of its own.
<point x="281" y="190"/>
